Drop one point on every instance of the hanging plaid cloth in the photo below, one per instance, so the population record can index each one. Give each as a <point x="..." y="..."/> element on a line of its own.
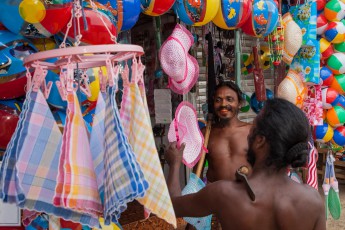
<point x="97" y="143"/>
<point x="37" y="152"/>
<point x="139" y="130"/>
<point x="124" y="180"/>
<point x="77" y="186"/>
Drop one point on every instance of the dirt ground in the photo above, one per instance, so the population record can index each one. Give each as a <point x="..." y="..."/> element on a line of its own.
<point x="337" y="224"/>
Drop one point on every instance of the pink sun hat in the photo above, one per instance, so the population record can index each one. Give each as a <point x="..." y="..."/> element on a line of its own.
<point x="185" y="129"/>
<point x="181" y="67"/>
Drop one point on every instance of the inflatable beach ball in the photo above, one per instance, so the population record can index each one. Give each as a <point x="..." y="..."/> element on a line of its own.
<point x="96" y="33"/>
<point x="321" y="24"/>
<point x="125" y="12"/>
<point x="156" y="7"/>
<point x="338" y="83"/>
<point x="33" y="18"/>
<point x="232" y="14"/>
<point x="256" y="105"/>
<point x="329" y="97"/>
<point x="320" y="4"/>
<point x="326" y="48"/>
<point x="340" y="47"/>
<point x="336" y="62"/>
<point x="13" y="49"/>
<point x="334" y="10"/>
<point x="263" y="19"/>
<point x="326" y="75"/>
<point x="336" y="116"/>
<point x="247" y="63"/>
<point x="196" y="12"/>
<point x="335" y="32"/>
<point x="339" y="136"/>
<point x="323" y="133"/>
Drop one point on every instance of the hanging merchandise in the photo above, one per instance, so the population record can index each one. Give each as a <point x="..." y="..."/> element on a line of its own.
<point x="323" y="133"/>
<point x="334" y="10"/>
<point x="156" y="7"/>
<point x="257" y="105"/>
<point x="276" y="42"/>
<point x="126" y="13"/>
<point x="184" y="129"/>
<point x="34" y="19"/>
<point x="330" y="97"/>
<point x="336" y="116"/>
<point x="292" y="88"/>
<point x="14" y="48"/>
<point x="196" y="12"/>
<point x="326" y="49"/>
<point x="336" y="62"/>
<point x="312" y="177"/>
<point x="259" y="80"/>
<point x="247" y="63"/>
<point x="137" y="127"/>
<point x="232" y="14"/>
<point x="293" y="38"/>
<point x="307" y="60"/>
<point x="263" y="19"/>
<point x="326" y="76"/>
<point x="321" y="23"/>
<point x="312" y="104"/>
<point x="181" y="67"/>
<point x="93" y="25"/>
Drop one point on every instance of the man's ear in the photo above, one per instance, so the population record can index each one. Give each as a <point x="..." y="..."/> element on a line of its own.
<point x="260" y="141"/>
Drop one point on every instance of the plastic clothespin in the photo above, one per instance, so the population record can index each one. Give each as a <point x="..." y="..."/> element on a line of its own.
<point x="28" y="78"/>
<point x="62" y="86"/>
<point x="85" y="87"/>
<point x="102" y="81"/>
<point x="46" y="88"/>
<point x="39" y="75"/>
<point x="134" y="77"/>
<point x="110" y="72"/>
<point x="125" y="75"/>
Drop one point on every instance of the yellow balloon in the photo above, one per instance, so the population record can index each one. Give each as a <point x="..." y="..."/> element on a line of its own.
<point x="211" y="11"/>
<point x="32" y="11"/>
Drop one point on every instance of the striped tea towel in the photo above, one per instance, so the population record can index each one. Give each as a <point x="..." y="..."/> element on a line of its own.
<point x="312" y="170"/>
<point x="80" y="190"/>
<point x="38" y="156"/>
<point x="124" y="180"/>
<point x="140" y="135"/>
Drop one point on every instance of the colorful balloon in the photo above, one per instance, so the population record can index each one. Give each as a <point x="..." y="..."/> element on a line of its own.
<point x="321" y="23"/>
<point x="57" y="15"/>
<point x="323" y="133"/>
<point x="326" y="48"/>
<point x="334" y="10"/>
<point x="232" y="14"/>
<point x="336" y="62"/>
<point x="336" y="116"/>
<point x="263" y="19"/>
<point x="196" y="12"/>
<point x="335" y="32"/>
<point x="338" y="83"/>
<point x="339" y="136"/>
<point x="258" y="105"/>
<point x="13" y="49"/>
<point x="32" y="11"/>
<point x="156" y="7"/>
<point x="329" y="97"/>
<point x="125" y="12"/>
<point x="326" y="75"/>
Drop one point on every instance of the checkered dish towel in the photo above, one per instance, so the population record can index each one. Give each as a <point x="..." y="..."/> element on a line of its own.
<point x="38" y="147"/>
<point x="140" y="135"/>
<point x="124" y="180"/>
<point x="77" y="184"/>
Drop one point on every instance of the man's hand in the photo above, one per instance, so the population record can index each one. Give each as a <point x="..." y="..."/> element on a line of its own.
<point x="173" y="155"/>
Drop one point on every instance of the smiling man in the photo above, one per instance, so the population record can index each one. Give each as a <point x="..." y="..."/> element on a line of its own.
<point x="228" y="139"/>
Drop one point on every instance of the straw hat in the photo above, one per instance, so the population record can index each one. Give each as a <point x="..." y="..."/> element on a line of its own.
<point x="185" y="129"/>
<point x="293" y="38"/>
<point x="292" y="88"/>
<point x="182" y="68"/>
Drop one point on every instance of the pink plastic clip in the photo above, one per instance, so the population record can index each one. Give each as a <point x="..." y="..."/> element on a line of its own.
<point x="125" y="75"/>
<point x="62" y="86"/>
<point x="102" y="81"/>
<point x="46" y="88"/>
<point x="110" y="72"/>
<point x="141" y="69"/>
<point x="39" y="76"/>
<point x="134" y="76"/>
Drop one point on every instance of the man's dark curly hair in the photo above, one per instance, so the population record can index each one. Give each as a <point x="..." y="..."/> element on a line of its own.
<point x="286" y="129"/>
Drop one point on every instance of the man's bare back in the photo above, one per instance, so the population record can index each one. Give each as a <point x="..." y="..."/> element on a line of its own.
<point x="227" y="151"/>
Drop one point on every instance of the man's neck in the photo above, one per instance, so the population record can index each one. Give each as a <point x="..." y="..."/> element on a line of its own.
<point x="233" y="122"/>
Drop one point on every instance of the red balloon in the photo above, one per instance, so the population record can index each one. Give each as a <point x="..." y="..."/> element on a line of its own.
<point x="8" y="123"/>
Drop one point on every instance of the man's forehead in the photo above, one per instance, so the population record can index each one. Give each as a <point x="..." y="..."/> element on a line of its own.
<point x="225" y="91"/>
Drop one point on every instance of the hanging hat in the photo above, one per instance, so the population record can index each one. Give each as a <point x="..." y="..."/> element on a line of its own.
<point x="293" y="38"/>
<point x="184" y="129"/>
<point x="292" y="88"/>
<point x="181" y="67"/>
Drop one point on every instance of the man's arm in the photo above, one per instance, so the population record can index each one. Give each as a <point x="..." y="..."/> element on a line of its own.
<point x="201" y="203"/>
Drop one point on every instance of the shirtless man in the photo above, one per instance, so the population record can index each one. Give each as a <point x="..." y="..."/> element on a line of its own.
<point x="228" y="138"/>
<point x="277" y="140"/>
